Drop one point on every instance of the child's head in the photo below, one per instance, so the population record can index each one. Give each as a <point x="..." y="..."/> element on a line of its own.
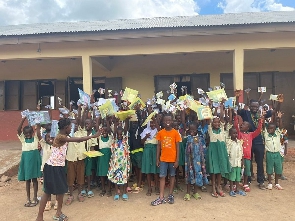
<point x="271" y="128"/>
<point x="104" y="131"/>
<point x="64" y="125"/>
<point x="245" y="126"/>
<point x="233" y="133"/>
<point x="167" y="121"/>
<point x="134" y="125"/>
<point x="88" y="124"/>
<point x="28" y="132"/>
<point x="152" y="124"/>
<point x="48" y="139"/>
<point x="216" y="123"/>
<point x="175" y="125"/>
<point x="47" y="127"/>
<point x="178" y="118"/>
<point x="119" y="133"/>
<point x="192" y="129"/>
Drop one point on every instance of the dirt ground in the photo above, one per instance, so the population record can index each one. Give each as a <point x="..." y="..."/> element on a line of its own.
<point x="257" y="205"/>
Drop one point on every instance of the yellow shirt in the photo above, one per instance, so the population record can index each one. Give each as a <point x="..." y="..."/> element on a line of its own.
<point x="46" y="152"/>
<point x="107" y="144"/>
<point x="28" y="146"/>
<point x="272" y="142"/>
<point x="76" y="150"/>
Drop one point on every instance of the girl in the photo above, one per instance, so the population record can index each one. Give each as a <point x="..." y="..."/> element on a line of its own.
<point x="149" y="166"/>
<point x="105" y="142"/>
<point x="195" y="173"/>
<point x="217" y="162"/>
<point x="30" y="163"/>
<point x="55" y="181"/>
<point x="120" y="160"/>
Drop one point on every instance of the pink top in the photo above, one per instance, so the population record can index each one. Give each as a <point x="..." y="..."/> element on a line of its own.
<point x="58" y="156"/>
<point x="247" y="138"/>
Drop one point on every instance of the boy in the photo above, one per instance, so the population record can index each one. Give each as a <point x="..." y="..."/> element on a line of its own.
<point x="167" y="158"/>
<point x="272" y="137"/>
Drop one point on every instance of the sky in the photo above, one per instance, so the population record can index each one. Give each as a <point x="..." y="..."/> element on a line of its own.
<point x="14" y="12"/>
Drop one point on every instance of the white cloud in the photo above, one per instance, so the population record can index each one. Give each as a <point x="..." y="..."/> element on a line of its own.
<point x="232" y="6"/>
<point x="40" y="11"/>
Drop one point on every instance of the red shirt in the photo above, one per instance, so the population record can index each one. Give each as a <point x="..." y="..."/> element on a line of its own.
<point x="247" y="137"/>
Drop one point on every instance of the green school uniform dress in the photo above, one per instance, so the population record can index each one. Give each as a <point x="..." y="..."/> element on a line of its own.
<point x="149" y="157"/>
<point x="30" y="163"/>
<point x="103" y="162"/>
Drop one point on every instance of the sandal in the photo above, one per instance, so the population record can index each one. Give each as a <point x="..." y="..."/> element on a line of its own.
<point x="137" y="190"/>
<point x="204" y="189"/>
<point x="158" y="201"/>
<point x="157" y="190"/>
<point x="221" y="193"/>
<point x="242" y="193"/>
<point x="103" y="193"/>
<point x="90" y="194"/>
<point x="34" y="203"/>
<point x="69" y="200"/>
<point x="187" y="197"/>
<point x="55" y="205"/>
<point x="149" y="192"/>
<point x="116" y="197"/>
<point x="48" y="206"/>
<point x="197" y="196"/>
<point x="109" y="193"/>
<point x="125" y="197"/>
<point x="278" y="187"/>
<point x="128" y="190"/>
<point x="28" y="203"/>
<point x="246" y="188"/>
<point x="81" y="198"/>
<point x="232" y="193"/>
<point x="214" y="195"/>
<point x="83" y="192"/>
<point x="61" y="217"/>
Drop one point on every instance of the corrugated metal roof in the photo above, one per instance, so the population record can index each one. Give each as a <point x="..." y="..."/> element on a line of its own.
<point x="149" y="23"/>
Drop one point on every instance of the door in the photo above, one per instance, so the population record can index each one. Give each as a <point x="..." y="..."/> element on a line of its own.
<point x="284" y="84"/>
<point x="73" y="93"/>
<point x="227" y="79"/>
<point x="251" y="80"/>
<point x="12" y="95"/>
<point x="199" y="81"/>
<point x="60" y="91"/>
<point x="2" y="95"/>
<point x="29" y="96"/>
<point x="114" y="84"/>
<point x="162" y="83"/>
<point x="266" y="80"/>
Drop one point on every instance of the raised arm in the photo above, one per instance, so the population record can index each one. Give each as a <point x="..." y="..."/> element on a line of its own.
<point x="78" y="119"/>
<point x="38" y="131"/>
<point x="259" y="128"/>
<point x="79" y="139"/>
<point x="222" y="111"/>
<point x="279" y="115"/>
<point x="20" y="126"/>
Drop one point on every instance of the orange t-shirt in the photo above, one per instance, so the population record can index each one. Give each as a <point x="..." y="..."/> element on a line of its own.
<point x="168" y="141"/>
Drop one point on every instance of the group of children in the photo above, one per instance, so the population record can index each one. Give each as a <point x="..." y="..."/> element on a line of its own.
<point x="204" y="150"/>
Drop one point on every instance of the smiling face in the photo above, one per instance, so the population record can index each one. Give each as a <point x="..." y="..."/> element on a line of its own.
<point x="233" y="133"/>
<point x="104" y="132"/>
<point x="216" y="123"/>
<point x="167" y="121"/>
<point x="152" y="125"/>
<point x="254" y="107"/>
<point x="271" y="128"/>
<point x="192" y="130"/>
<point x="88" y="124"/>
<point x="175" y="125"/>
<point x="28" y="132"/>
<point x="48" y="139"/>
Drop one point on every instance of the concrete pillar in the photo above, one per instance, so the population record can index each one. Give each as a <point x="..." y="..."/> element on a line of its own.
<point x="214" y="79"/>
<point x="238" y="70"/>
<point x="87" y="74"/>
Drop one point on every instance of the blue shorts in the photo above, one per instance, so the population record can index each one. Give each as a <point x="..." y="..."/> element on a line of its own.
<point x="164" y="166"/>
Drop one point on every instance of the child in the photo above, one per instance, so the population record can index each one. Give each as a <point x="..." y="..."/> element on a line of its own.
<point x="167" y="158"/>
<point x="119" y="168"/>
<point x="235" y="153"/>
<point x="105" y="142"/>
<point x="149" y="165"/>
<point x="273" y="157"/>
<point x="55" y="181"/>
<point x="195" y="173"/>
<point x="217" y="162"/>
<point x="30" y="163"/>
<point x="284" y="143"/>
<point x="46" y="144"/>
<point x="247" y="137"/>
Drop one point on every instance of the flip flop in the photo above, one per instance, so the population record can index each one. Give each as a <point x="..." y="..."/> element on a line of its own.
<point x="187" y="197"/>
<point x="125" y="197"/>
<point x="90" y="194"/>
<point x="116" y="197"/>
<point x="28" y="203"/>
<point x="149" y="192"/>
<point x="214" y="195"/>
<point x="34" y="203"/>
<point x="197" y="196"/>
<point x="128" y="190"/>
<point x="62" y="217"/>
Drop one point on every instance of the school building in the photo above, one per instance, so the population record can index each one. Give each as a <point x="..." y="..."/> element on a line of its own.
<point x="246" y="50"/>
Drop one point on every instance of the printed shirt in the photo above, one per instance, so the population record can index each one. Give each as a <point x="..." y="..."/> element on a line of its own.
<point x="272" y="141"/>
<point x="168" y="141"/>
<point x="248" y="116"/>
<point x="235" y="152"/>
<point x="59" y="151"/>
<point x="28" y="144"/>
<point x="76" y="149"/>
<point x="247" y="137"/>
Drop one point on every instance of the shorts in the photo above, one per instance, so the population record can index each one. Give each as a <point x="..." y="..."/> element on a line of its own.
<point x="76" y="171"/>
<point x="235" y="174"/>
<point x="164" y="166"/>
<point x="136" y="159"/>
<point x="247" y="167"/>
<point x="273" y="163"/>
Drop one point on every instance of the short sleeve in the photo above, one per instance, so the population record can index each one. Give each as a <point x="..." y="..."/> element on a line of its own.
<point x="158" y="137"/>
<point x="278" y="132"/>
<point x="177" y="137"/>
<point x="21" y="138"/>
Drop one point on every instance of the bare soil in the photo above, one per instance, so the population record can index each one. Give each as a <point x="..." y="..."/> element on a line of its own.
<point x="257" y="205"/>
